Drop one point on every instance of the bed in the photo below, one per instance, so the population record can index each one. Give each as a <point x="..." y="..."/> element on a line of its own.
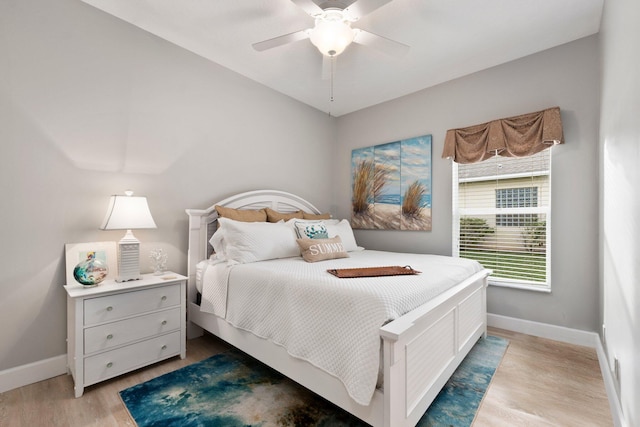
<point x="415" y="351"/>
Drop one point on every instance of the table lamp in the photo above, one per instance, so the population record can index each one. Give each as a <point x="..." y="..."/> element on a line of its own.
<point x="128" y="213"/>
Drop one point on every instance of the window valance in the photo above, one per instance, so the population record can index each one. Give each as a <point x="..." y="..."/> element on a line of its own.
<point x="517" y="136"/>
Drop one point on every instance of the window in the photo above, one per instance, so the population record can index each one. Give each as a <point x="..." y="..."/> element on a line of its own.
<point x="501" y="208"/>
<point x="525" y="197"/>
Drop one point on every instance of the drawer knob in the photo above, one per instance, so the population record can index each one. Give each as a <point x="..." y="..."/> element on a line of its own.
<point x="110" y="364"/>
<point x="110" y="336"/>
<point x="164" y="347"/>
<point x="109" y="308"/>
<point x="164" y="298"/>
<point x="164" y="322"/>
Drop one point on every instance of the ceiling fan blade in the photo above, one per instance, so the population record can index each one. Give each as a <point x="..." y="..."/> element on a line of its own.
<point x="281" y="40"/>
<point x="308" y="6"/>
<point x="382" y="44"/>
<point x="360" y="8"/>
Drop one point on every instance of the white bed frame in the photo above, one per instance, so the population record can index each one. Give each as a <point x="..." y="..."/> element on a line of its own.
<point x="421" y="349"/>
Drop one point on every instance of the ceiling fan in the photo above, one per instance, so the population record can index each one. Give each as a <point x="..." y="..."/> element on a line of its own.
<point x="332" y="32"/>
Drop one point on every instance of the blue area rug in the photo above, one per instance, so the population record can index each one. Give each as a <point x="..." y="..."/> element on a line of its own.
<point x="231" y="389"/>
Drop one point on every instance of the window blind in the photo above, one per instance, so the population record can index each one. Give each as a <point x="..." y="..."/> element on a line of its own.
<point x="501" y="211"/>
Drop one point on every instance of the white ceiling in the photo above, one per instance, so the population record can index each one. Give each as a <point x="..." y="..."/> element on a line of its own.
<point x="448" y="39"/>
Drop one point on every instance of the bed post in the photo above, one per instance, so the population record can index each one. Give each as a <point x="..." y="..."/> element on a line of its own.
<point x="485" y="286"/>
<point x="394" y="368"/>
<point x="195" y="253"/>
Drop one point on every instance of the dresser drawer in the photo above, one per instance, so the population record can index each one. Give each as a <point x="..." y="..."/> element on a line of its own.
<point x="114" y="307"/>
<point x="115" y="362"/>
<point x="113" y="334"/>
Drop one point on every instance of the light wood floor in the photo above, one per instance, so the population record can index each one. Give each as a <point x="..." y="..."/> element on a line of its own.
<point x="539" y="383"/>
<point x="545" y="383"/>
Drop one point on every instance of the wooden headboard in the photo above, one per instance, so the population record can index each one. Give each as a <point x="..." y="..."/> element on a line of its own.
<point x="202" y="222"/>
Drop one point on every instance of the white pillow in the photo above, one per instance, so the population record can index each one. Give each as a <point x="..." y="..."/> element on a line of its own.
<point x="246" y="242"/>
<point x="217" y="241"/>
<point x="344" y="230"/>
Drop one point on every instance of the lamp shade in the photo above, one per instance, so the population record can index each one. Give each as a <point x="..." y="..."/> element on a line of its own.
<point x="127" y="213"/>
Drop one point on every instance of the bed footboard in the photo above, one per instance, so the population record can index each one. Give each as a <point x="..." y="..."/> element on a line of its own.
<point x="423" y="349"/>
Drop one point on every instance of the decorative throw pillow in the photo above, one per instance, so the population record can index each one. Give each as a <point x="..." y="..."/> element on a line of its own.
<point x="311" y="229"/>
<point x="244" y="215"/>
<point x="275" y="216"/>
<point x="314" y="250"/>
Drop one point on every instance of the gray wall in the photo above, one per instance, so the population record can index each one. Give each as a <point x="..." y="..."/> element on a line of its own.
<point x="620" y="201"/>
<point x="91" y="106"/>
<point x="566" y="76"/>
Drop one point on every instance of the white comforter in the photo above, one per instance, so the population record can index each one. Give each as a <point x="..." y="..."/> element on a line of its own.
<point x="332" y="323"/>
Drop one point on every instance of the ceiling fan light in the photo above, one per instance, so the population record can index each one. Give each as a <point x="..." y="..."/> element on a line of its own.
<point x="331" y="37"/>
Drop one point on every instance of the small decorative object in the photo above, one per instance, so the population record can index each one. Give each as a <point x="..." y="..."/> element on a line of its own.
<point x="158" y="261"/>
<point x="91" y="271"/>
<point x="77" y="254"/>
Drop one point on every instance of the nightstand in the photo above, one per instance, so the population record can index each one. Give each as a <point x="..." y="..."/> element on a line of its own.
<point x="115" y="328"/>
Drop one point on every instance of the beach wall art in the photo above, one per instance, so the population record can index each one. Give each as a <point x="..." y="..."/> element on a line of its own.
<point x="391" y="185"/>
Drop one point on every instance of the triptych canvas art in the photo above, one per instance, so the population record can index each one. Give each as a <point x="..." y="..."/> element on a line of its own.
<point x="391" y="185"/>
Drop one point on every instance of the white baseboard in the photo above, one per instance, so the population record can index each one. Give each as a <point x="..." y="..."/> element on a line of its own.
<point x="609" y="384"/>
<point x="544" y="330"/>
<point x="570" y="336"/>
<point x="32" y="372"/>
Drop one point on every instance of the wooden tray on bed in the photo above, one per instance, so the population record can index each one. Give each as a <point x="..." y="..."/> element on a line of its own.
<point x="394" y="270"/>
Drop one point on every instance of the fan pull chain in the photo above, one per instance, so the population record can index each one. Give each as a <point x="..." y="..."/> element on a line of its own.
<point x="333" y="61"/>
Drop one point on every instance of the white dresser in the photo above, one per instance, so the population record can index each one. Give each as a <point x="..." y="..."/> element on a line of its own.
<point x="115" y="328"/>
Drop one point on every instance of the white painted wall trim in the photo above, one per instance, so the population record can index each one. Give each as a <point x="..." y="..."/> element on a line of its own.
<point x="32" y="372"/>
<point x="544" y="330"/>
<point x="609" y="384"/>
<point x="570" y="336"/>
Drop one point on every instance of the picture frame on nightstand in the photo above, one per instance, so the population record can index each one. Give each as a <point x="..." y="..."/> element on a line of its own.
<point x="77" y="252"/>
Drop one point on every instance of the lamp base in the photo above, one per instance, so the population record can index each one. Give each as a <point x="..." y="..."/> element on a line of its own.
<point x="128" y="258"/>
